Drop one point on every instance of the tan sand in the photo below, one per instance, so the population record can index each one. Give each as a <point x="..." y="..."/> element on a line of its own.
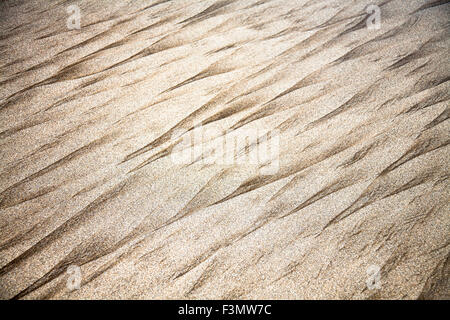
<point x="88" y="120"/>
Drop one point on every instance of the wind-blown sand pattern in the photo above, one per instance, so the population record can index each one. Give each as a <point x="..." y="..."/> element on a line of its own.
<point x="87" y="123"/>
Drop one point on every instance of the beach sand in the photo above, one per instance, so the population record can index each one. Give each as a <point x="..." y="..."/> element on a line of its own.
<point x="353" y="202"/>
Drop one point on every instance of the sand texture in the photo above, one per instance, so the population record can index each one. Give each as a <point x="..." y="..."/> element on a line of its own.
<point x="90" y="119"/>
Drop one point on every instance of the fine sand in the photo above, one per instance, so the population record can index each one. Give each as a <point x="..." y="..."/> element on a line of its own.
<point x="90" y="119"/>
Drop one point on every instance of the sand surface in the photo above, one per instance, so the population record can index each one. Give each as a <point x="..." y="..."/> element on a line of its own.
<point x="90" y="119"/>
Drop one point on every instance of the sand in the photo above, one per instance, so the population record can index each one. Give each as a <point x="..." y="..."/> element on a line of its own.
<point x="353" y="202"/>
